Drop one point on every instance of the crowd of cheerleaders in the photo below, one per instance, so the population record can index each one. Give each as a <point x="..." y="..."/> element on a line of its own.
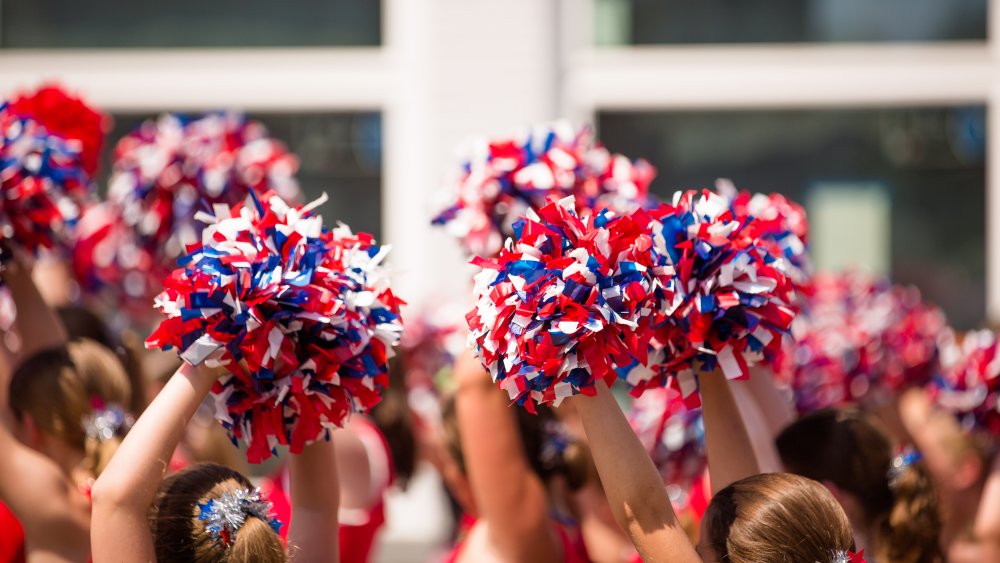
<point x="584" y="276"/>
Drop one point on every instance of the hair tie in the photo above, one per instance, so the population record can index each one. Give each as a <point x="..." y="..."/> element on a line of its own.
<point x="900" y="463"/>
<point x="105" y="420"/>
<point x="225" y="515"/>
<point x="847" y="556"/>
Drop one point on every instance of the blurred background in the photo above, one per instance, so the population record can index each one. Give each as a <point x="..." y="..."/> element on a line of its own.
<point x="873" y="114"/>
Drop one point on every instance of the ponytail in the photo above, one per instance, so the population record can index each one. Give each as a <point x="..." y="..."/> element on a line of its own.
<point x="910" y="531"/>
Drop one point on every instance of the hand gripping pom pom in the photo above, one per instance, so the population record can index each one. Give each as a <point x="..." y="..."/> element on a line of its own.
<point x="507" y="177"/>
<point x="163" y="172"/>
<point x="301" y="316"/>
<point x="726" y="303"/>
<point x="42" y="183"/>
<point x="859" y="338"/>
<point x="674" y="436"/>
<point x="969" y="382"/>
<point x="561" y="305"/>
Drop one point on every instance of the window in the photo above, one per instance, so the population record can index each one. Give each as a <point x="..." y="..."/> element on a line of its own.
<point x="909" y="180"/>
<point x="645" y="22"/>
<point x="189" y="23"/>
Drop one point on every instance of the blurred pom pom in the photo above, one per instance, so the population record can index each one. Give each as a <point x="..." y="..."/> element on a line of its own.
<point x="68" y="117"/>
<point x="674" y="435"/>
<point x="561" y="305"/>
<point x="301" y="316"/>
<point x="504" y="178"/>
<point x="969" y="383"/>
<point x="42" y="184"/>
<point x="163" y="173"/>
<point x="430" y="345"/>
<point x="728" y="304"/>
<point x="860" y="338"/>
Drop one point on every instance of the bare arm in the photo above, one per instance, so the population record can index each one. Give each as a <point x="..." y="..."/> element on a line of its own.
<point x="730" y="453"/>
<point x="633" y="486"/>
<point x="987" y="524"/>
<point x="508" y="494"/>
<point x="758" y="428"/>
<point x="37" y="325"/>
<point x="778" y="411"/>
<point x="126" y="489"/>
<point x="315" y="490"/>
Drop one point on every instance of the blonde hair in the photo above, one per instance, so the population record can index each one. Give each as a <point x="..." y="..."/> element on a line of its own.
<point x="58" y="388"/>
<point x="179" y="534"/>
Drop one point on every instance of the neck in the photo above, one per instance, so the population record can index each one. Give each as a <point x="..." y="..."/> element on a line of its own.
<point x="68" y="459"/>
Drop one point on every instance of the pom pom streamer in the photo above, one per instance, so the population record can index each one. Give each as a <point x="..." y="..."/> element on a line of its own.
<point x="504" y="178"/>
<point x="164" y="172"/>
<point x="779" y="223"/>
<point x="859" y="339"/>
<point x="301" y="316"/>
<point x="42" y="184"/>
<point x="674" y="436"/>
<point x="727" y="303"/>
<point x="969" y="383"/>
<point x="650" y="297"/>
<point x="560" y="306"/>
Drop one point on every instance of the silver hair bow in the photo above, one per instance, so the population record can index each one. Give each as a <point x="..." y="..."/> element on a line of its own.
<point x="103" y="423"/>
<point x="225" y="515"/>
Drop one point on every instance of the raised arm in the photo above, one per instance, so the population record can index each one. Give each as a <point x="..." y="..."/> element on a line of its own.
<point x="315" y="488"/>
<point x="633" y="486"/>
<point x="507" y="493"/>
<point x="757" y="425"/>
<point x="37" y="325"/>
<point x="126" y="489"/>
<point x="987" y="524"/>
<point x="731" y="456"/>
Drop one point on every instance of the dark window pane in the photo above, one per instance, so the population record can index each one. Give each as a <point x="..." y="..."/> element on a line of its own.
<point x="189" y="23"/>
<point x="339" y="153"/>
<point x="911" y="181"/>
<point x="641" y="22"/>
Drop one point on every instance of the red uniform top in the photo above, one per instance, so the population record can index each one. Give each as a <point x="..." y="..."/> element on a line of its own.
<point x="11" y="537"/>
<point x="570" y="538"/>
<point x="358" y="528"/>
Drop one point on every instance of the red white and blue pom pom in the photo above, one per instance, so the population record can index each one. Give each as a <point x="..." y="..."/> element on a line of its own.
<point x="69" y="118"/>
<point x="560" y="307"/>
<point x="779" y="223"/>
<point x="163" y="173"/>
<point x="674" y="436"/>
<point x="42" y="183"/>
<point x="504" y="178"/>
<point x="301" y="316"/>
<point x="860" y="338"/>
<point x="430" y="345"/>
<point x="969" y="383"/>
<point x="728" y="303"/>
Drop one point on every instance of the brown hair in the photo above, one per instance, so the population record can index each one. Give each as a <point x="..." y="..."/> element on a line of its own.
<point x="549" y="452"/>
<point x="776" y="517"/>
<point x="845" y="448"/>
<point x="58" y="388"/>
<point x="393" y="419"/>
<point x="178" y="534"/>
<point x="81" y="322"/>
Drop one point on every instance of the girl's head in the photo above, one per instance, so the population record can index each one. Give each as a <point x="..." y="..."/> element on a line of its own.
<point x="852" y="457"/>
<point x="180" y="519"/>
<point x="72" y="398"/>
<point x="774" y="517"/>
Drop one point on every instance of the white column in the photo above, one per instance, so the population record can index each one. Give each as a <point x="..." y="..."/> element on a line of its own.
<point x="464" y="68"/>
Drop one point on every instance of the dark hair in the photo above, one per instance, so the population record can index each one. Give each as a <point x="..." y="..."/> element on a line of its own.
<point x="81" y="322"/>
<point x="393" y="419"/>
<point x="549" y="450"/>
<point x="178" y="534"/>
<point x="843" y="447"/>
<point x="776" y="517"/>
